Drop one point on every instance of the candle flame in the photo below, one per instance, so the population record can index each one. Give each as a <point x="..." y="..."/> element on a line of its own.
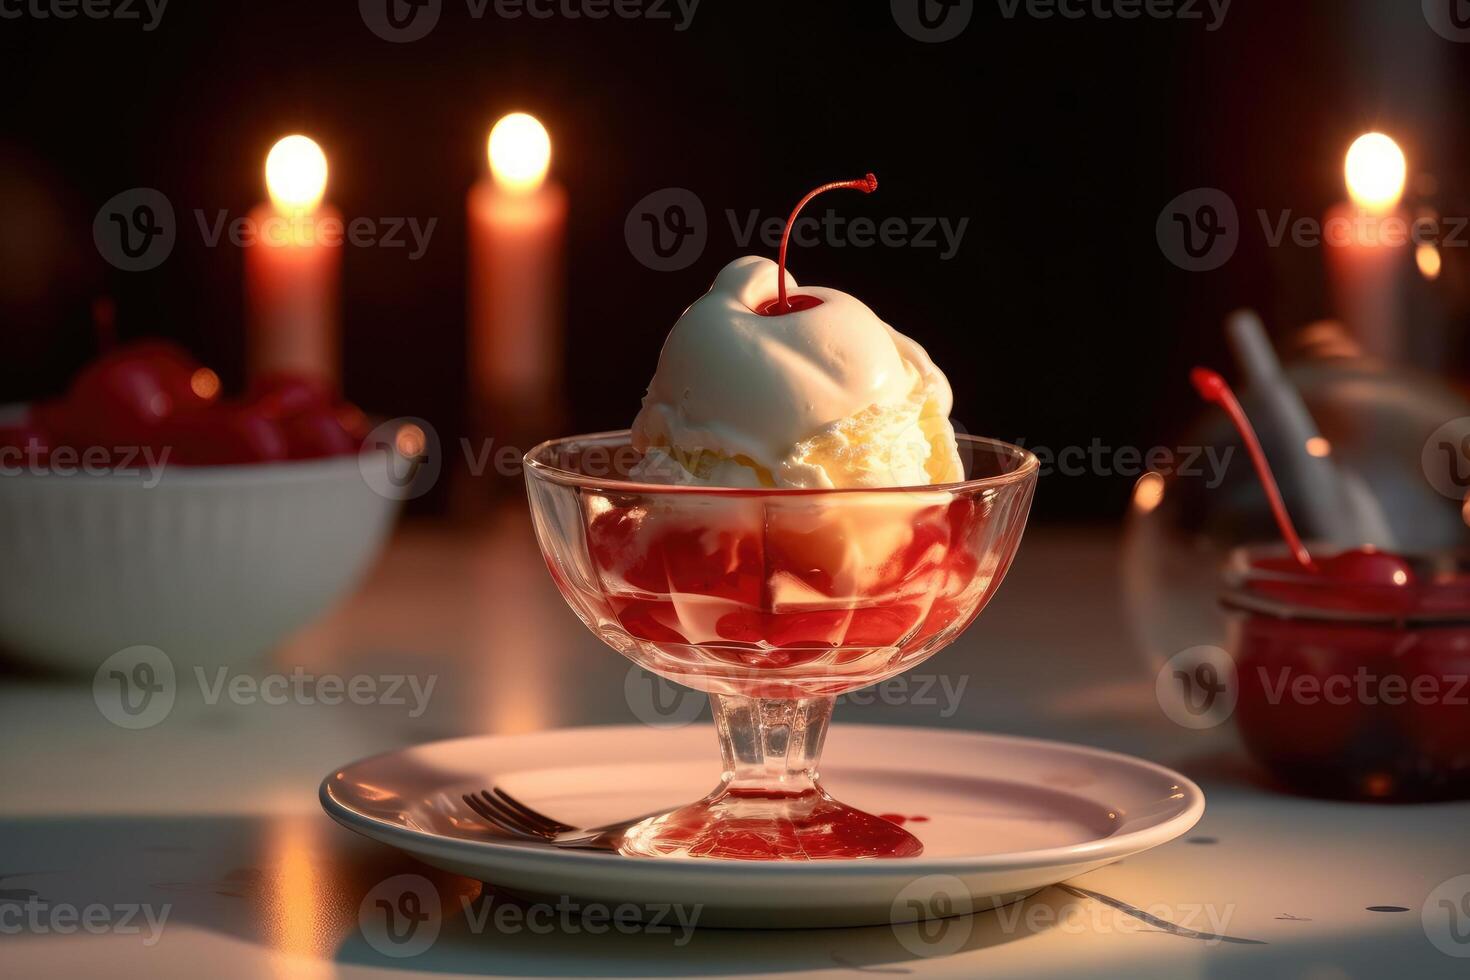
<point x="296" y="174"/>
<point x="1430" y="262"/>
<point x="520" y="153"/>
<point x="1375" y="171"/>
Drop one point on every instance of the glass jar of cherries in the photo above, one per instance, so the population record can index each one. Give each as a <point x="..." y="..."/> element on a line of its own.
<point x="1354" y="689"/>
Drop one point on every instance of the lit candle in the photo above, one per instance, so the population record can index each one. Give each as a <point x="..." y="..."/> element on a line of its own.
<point x="1367" y="246"/>
<point x="517" y="225"/>
<point x="293" y="268"/>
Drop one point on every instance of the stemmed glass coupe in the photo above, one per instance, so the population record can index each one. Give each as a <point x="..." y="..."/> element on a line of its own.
<point x="773" y="602"/>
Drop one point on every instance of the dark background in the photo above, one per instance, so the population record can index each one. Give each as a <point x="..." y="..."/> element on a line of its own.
<point x="1060" y="320"/>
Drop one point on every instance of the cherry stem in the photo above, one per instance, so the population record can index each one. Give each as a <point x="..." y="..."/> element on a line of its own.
<point x="867" y="185"/>
<point x="1213" y="388"/>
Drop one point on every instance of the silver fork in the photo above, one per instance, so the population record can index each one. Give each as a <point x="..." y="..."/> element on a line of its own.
<point x="507" y="814"/>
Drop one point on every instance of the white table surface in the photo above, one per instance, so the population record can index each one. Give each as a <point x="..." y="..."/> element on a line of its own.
<point x="211" y="816"/>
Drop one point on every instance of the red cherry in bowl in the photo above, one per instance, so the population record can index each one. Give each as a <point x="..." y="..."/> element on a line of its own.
<point x="794" y="304"/>
<point x="1363" y="580"/>
<point x="23" y="446"/>
<point x="316" y="434"/>
<point x="56" y="420"/>
<point x="174" y="366"/>
<point x="116" y="399"/>
<point x="283" y="394"/>
<point x="353" y="421"/>
<point x="1368" y="566"/>
<point x="186" y="384"/>
<point x="124" y="397"/>
<point x="225" y="435"/>
<point x="783" y="304"/>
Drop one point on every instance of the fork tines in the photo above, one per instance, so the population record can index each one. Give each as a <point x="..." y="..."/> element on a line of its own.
<point x="505" y="812"/>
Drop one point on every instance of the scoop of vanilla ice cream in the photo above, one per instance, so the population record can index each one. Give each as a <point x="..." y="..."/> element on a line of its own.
<point x="825" y="397"/>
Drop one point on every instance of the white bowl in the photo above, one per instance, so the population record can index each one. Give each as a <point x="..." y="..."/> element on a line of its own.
<point x="212" y="565"/>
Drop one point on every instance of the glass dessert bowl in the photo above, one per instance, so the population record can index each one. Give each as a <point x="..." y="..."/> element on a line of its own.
<point x="773" y="601"/>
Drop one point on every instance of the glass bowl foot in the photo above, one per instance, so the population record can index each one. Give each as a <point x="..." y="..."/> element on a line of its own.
<point x="769" y="805"/>
<point x="754" y="826"/>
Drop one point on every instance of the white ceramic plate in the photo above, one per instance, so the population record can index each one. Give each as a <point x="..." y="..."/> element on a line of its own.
<point x="1006" y="817"/>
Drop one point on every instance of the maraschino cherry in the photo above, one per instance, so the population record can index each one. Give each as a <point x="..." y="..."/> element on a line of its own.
<point x="1364" y="566"/>
<point x="782" y="304"/>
